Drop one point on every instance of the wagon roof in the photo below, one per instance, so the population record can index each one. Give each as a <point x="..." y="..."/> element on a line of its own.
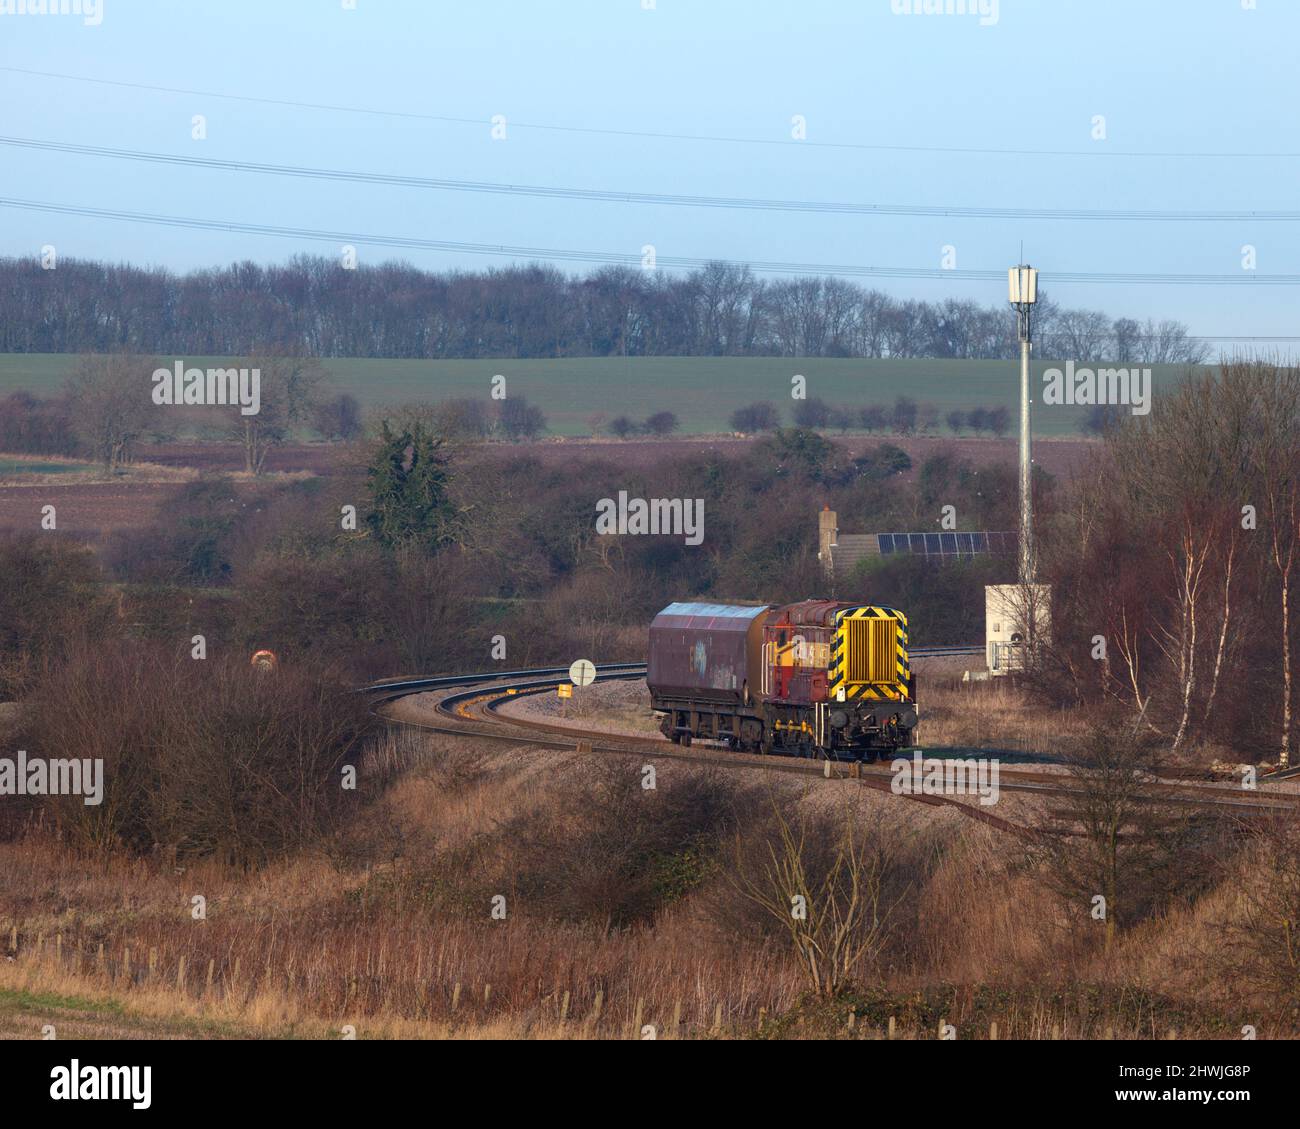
<point x="712" y="611"/>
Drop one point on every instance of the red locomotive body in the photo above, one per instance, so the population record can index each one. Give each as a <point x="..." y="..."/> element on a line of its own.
<point x="797" y="644"/>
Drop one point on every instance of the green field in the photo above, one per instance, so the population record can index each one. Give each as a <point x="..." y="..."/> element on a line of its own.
<point x="10" y="467"/>
<point x="702" y="391"/>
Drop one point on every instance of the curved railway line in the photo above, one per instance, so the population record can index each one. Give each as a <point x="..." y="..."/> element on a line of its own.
<point x="469" y="708"/>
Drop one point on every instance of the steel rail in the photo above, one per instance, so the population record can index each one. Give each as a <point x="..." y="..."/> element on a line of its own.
<point x="495" y="689"/>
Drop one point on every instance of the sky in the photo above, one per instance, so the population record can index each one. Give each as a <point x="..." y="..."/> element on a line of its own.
<point x="629" y="87"/>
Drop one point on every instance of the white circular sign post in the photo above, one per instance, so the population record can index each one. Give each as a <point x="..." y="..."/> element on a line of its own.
<point x="582" y="673"/>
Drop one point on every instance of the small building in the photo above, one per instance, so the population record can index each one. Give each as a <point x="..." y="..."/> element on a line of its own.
<point x="1017" y="620"/>
<point x="839" y="553"/>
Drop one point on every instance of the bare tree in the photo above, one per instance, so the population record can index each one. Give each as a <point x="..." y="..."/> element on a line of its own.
<point x="1187" y="556"/>
<point x="1277" y="471"/>
<point x="830" y="894"/>
<point x="111" y="398"/>
<point x="428" y="592"/>
<point x="1113" y="838"/>
<point x="288" y="392"/>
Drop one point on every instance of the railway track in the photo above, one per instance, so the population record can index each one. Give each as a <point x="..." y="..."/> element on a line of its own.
<point x="401" y="687"/>
<point x="465" y="711"/>
<point x="470" y="708"/>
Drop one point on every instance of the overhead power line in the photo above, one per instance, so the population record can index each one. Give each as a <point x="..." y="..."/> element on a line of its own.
<point x="1098" y="150"/>
<point x="553" y="254"/>
<point x="671" y="199"/>
<point x="1182" y="337"/>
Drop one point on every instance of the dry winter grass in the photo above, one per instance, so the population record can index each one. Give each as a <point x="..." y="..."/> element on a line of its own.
<point x="388" y="929"/>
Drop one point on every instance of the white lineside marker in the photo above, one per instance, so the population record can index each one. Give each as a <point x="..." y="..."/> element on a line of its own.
<point x="582" y="672"/>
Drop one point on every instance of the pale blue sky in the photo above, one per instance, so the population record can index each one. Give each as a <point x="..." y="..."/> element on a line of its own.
<point x="1169" y="75"/>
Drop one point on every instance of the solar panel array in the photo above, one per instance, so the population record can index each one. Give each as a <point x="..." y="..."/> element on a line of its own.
<point x="956" y="545"/>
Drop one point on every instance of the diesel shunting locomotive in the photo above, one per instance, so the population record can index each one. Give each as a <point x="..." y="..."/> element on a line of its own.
<point x="817" y="678"/>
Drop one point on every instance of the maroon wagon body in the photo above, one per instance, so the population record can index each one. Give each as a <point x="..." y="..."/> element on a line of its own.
<point x="707" y="652"/>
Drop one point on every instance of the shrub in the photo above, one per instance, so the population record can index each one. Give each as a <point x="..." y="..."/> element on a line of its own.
<point x="339" y="418"/>
<point x="904" y="415"/>
<point x="615" y="853"/>
<point x="331" y="607"/>
<point x="755" y="418"/>
<point x="29" y="426"/>
<point x="873" y="418"/>
<point x="201" y="758"/>
<point x="462" y="418"/>
<point x="812" y="413"/>
<point x="882" y="462"/>
<point x="521" y="420"/>
<point x="49" y="597"/>
<point x="661" y="424"/>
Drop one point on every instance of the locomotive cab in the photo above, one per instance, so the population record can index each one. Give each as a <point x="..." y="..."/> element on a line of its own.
<point x="838" y="678"/>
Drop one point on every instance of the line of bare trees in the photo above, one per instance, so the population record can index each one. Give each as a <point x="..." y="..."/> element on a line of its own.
<point x="106" y="411"/>
<point x="312" y="306"/>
